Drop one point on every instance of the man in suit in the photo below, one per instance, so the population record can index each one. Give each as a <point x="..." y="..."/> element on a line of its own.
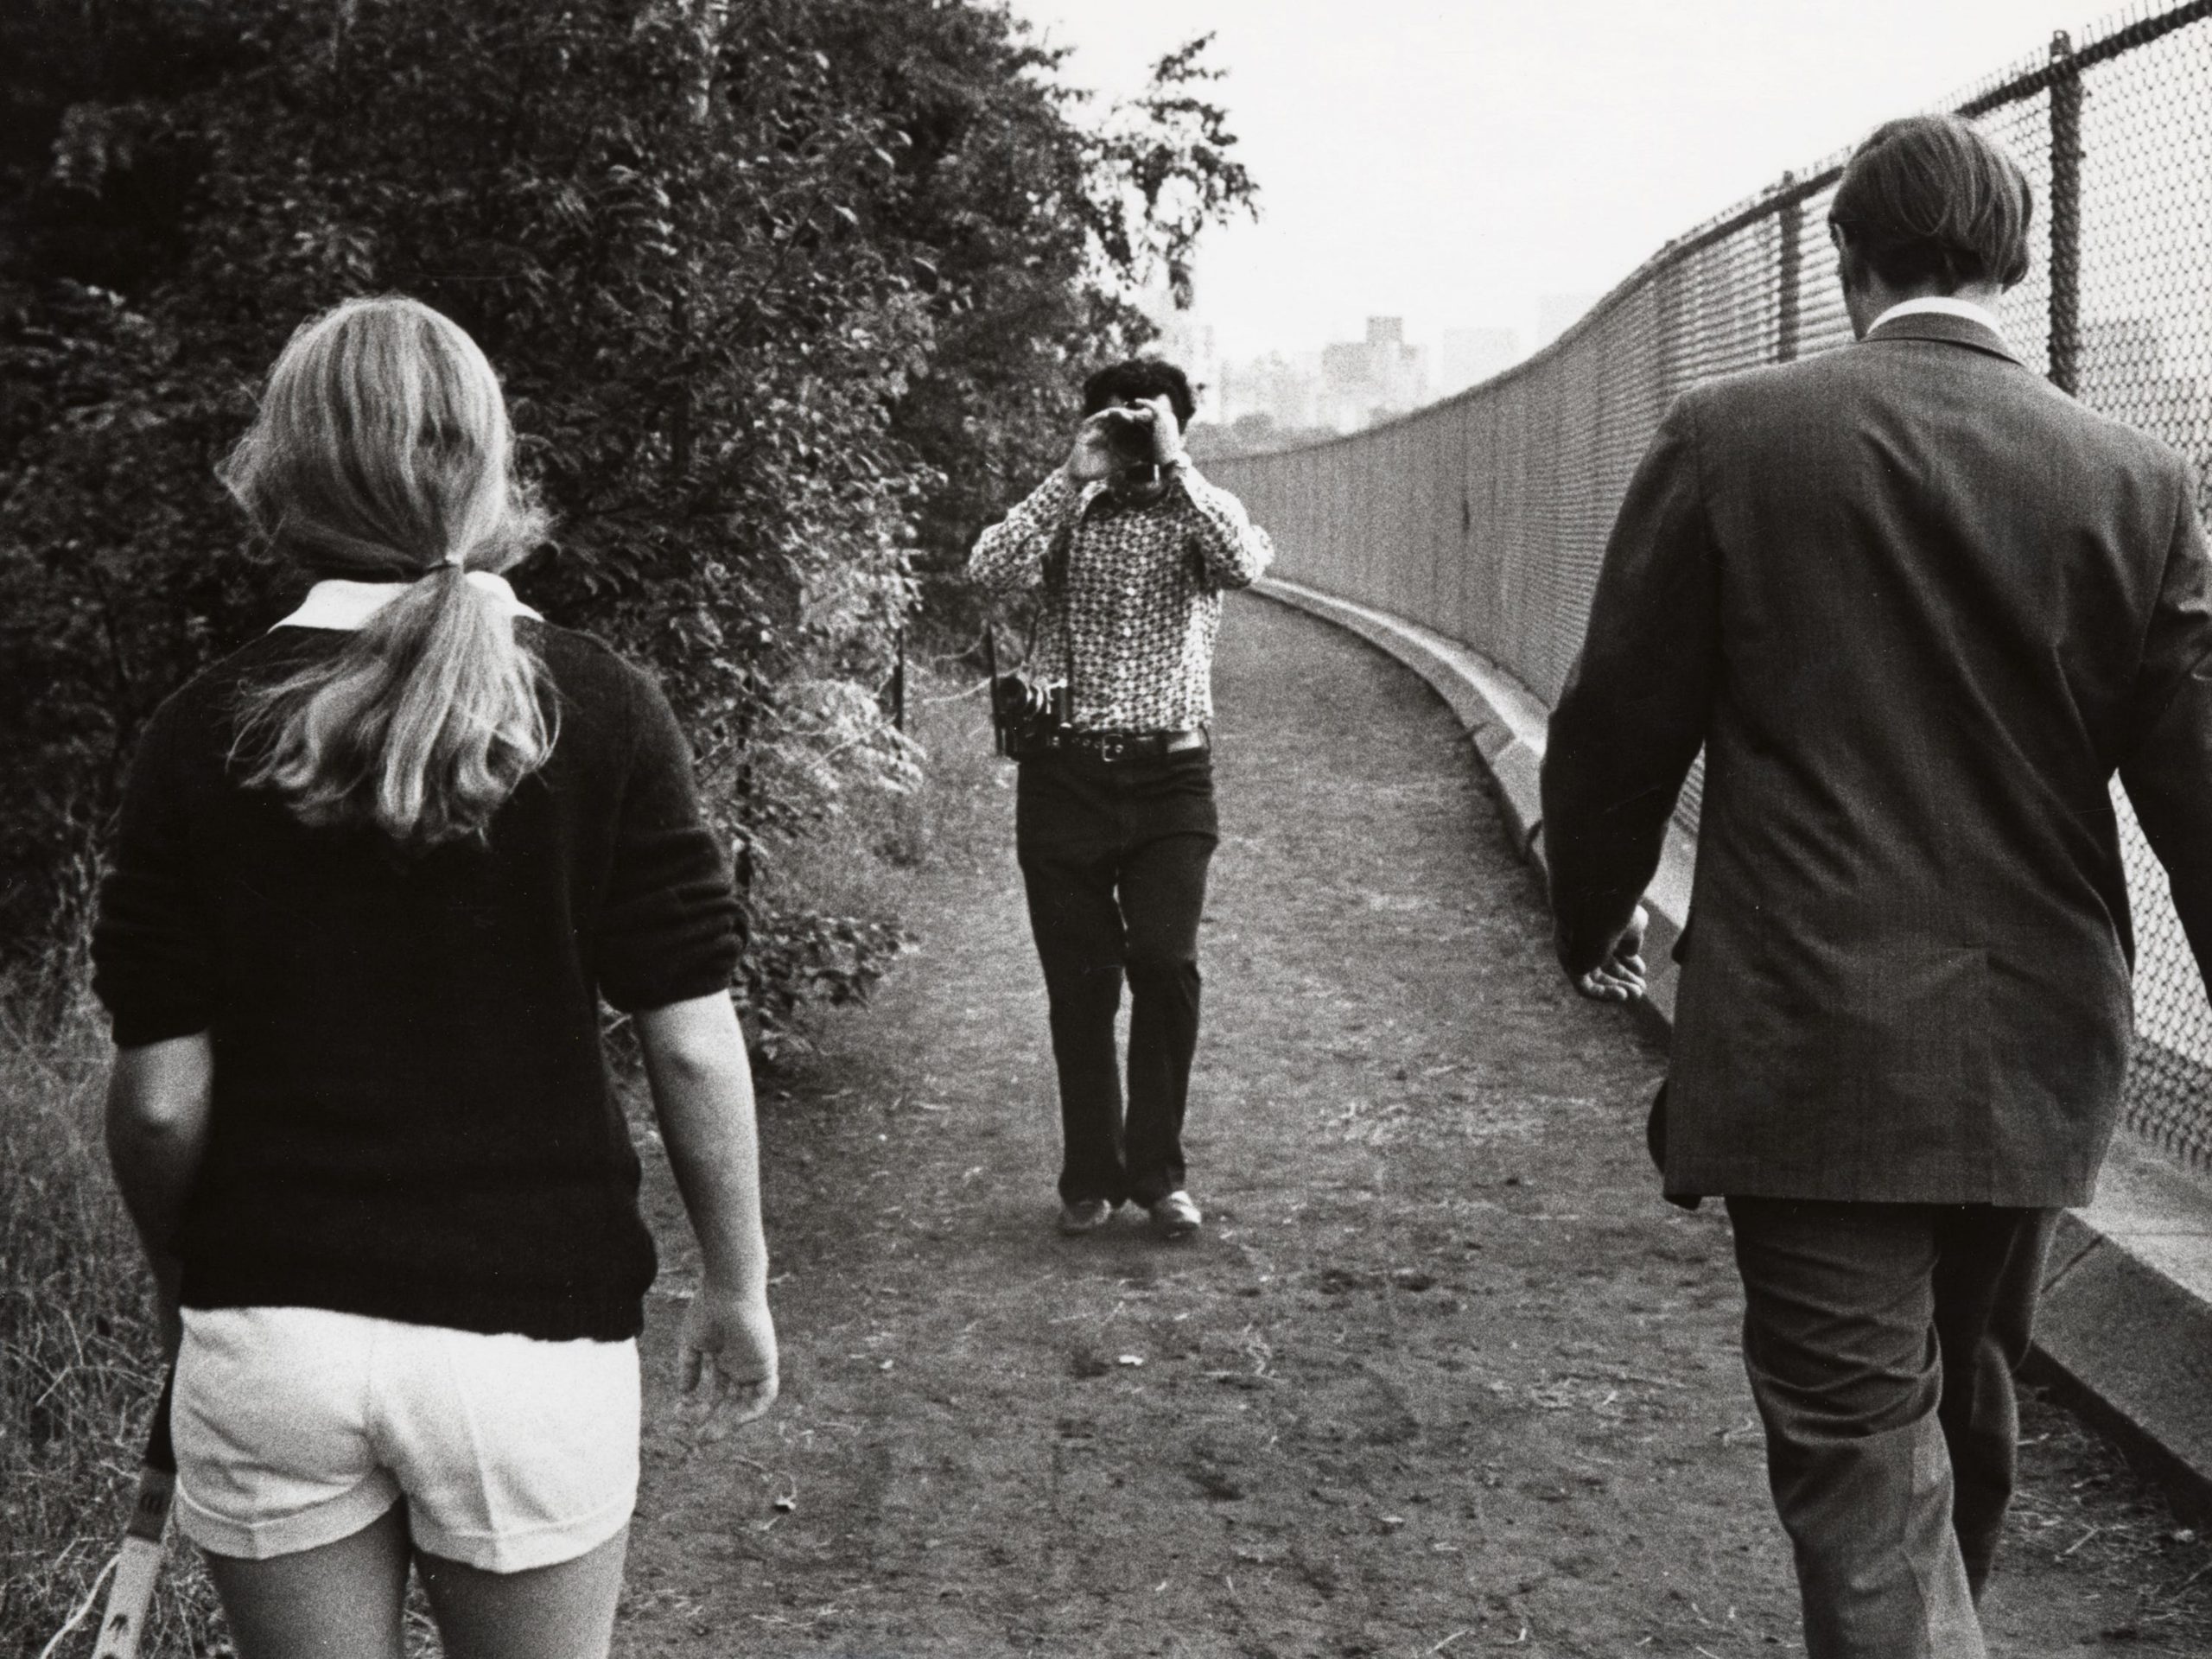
<point x="1917" y="607"/>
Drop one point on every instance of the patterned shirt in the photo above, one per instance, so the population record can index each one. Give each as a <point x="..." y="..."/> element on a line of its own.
<point x="1141" y="597"/>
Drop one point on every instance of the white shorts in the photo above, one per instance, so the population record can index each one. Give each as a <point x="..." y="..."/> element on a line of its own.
<point x="297" y="1427"/>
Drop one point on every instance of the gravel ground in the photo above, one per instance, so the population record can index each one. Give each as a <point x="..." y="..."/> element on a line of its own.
<point x="1443" y="1375"/>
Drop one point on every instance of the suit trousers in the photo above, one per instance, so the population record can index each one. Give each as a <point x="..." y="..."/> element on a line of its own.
<point x="1114" y="858"/>
<point x="1881" y="1340"/>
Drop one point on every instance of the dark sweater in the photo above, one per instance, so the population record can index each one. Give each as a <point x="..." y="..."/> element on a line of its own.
<point x="412" y="1116"/>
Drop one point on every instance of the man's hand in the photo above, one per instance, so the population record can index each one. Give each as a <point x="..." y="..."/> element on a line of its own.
<point x="726" y="1357"/>
<point x="1167" y="435"/>
<point x="1620" y="977"/>
<point x="1092" y="458"/>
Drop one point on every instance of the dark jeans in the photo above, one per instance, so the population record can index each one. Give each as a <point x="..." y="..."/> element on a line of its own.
<point x="1114" y="858"/>
<point x="1881" y="1341"/>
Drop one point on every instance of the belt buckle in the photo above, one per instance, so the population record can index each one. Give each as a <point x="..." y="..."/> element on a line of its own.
<point x="1111" y="748"/>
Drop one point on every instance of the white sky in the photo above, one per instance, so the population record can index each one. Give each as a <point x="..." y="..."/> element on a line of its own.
<point x="1452" y="162"/>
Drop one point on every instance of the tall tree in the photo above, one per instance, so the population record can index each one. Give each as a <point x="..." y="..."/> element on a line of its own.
<point x="785" y="294"/>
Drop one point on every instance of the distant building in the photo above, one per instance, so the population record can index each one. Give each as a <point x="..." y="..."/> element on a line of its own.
<point x="2126" y="370"/>
<point x="1270" y="402"/>
<point x="1187" y="343"/>
<point x="1285" y="390"/>
<point x="1469" y="356"/>
<point x="1369" y="380"/>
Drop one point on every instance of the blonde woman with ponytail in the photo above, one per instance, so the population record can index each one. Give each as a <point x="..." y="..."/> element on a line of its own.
<point x="373" y="877"/>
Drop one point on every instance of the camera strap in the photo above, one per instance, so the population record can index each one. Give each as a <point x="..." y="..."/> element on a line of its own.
<point x="1002" y="740"/>
<point x="1057" y="557"/>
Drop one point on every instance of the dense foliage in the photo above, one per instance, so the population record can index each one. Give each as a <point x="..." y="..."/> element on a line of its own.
<point x="787" y="297"/>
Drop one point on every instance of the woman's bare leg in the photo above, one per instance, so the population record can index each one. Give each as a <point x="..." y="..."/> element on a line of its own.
<point x="562" y="1611"/>
<point x="339" y="1601"/>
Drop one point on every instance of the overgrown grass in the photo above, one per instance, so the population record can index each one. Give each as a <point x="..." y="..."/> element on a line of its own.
<point x="79" y="1357"/>
<point x="851" y="880"/>
<point x="866" y="864"/>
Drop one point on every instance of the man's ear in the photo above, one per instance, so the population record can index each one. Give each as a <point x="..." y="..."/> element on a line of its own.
<point x="1851" y="261"/>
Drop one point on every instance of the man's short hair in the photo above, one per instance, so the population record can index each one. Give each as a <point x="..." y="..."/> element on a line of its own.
<point x="1929" y="197"/>
<point x="1141" y="377"/>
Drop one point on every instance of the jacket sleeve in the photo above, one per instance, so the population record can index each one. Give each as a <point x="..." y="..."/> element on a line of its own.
<point x="1232" y="551"/>
<point x="668" y="927"/>
<point x="1010" y="554"/>
<point x="152" y="946"/>
<point x="2168" y="772"/>
<point x="1636" y="702"/>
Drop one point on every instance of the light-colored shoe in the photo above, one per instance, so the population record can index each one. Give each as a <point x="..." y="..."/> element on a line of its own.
<point x="1084" y="1216"/>
<point x="1175" y="1215"/>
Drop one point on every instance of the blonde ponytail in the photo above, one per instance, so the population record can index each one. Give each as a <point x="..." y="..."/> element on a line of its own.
<point x="382" y="453"/>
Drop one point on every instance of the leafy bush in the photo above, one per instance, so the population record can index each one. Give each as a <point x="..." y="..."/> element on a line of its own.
<point x="77" y="1342"/>
<point x="798" y="960"/>
<point x="787" y="297"/>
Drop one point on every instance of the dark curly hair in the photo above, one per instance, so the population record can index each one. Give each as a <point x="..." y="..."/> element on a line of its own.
<point x="1141" y="377"/>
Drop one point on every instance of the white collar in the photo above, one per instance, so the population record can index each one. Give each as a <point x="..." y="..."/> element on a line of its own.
<point x="1941" y="305"/>
<point x="346" y="607"/>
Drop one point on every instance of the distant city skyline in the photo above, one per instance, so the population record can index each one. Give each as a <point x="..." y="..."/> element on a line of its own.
<point x="1350" y="384"/>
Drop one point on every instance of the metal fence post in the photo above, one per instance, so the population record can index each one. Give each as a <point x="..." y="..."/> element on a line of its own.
<point x="899" y="683"/>
<point x="1792" y="228"/>
<point x="2065" y="217"/>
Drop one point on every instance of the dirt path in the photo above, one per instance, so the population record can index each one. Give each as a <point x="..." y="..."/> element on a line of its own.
<point x="1442" y="1376"/>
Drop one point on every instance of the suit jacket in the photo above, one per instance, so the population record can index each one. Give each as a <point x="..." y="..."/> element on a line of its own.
<point x="1918" y="606"/>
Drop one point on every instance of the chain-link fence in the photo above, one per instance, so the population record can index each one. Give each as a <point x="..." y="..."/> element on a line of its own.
<point x="1484" y="517"/>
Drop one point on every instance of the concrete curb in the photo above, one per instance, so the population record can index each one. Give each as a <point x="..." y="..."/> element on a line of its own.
<point x="2126" y="1324"/>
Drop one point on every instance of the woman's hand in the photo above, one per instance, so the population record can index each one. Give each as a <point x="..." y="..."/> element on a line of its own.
<point x="702" y="1091"/>
<point x="168" y="1278"/>
<point x="726" y="1357"/>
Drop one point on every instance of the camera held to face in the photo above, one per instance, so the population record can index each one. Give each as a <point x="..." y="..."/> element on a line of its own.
<point x="1129" y="435"/>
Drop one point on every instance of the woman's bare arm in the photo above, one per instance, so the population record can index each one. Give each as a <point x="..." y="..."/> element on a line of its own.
<point x="703" y="1094"/>
<point x="158" y="1097"/>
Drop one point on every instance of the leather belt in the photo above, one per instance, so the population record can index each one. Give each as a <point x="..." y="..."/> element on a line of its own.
<point x="1138" y="745"/>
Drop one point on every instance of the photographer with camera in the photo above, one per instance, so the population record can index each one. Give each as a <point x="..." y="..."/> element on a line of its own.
<point x="1114" y="820"/>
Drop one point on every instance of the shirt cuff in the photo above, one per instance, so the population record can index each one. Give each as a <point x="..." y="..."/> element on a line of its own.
<point x="1185" y="471"/>
<point x="1058" y="493"/>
